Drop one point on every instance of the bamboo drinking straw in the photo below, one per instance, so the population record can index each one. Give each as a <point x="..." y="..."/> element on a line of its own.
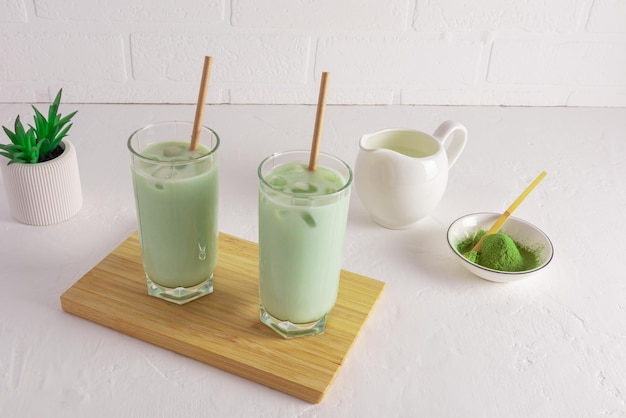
<point x="319" y="119"/>
<point x="197" y="122"/>
<point x="502" y="219"/>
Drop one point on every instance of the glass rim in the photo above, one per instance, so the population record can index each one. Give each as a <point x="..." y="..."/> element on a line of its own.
<point x="347" y="184"/>
<point x="135" y="153"/>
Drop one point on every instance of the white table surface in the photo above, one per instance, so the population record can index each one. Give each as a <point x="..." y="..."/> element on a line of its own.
<point x="439" y="343"/>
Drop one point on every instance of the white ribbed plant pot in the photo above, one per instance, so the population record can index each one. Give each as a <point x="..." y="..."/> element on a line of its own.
<point x="44" y="193"/>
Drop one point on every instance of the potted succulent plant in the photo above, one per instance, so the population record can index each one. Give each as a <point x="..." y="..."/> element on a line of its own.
<point x="40" y="173"/>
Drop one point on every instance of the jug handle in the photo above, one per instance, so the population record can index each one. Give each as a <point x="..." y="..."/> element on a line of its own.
<point x="453" y="137"/>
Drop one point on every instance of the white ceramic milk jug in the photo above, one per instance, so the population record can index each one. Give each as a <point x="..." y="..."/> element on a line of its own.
<point x="400" y="174"/>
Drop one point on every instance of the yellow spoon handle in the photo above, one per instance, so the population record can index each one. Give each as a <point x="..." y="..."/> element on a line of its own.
<point x="502" y="219"/>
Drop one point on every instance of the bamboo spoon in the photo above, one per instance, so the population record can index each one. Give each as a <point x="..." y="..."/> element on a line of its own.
<point x="319" y="119"/>
<point x="471" y="255"/>
<point x="197" y="122"/>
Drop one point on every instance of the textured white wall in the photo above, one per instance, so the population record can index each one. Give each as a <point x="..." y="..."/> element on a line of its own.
<point x="481" y="52"/>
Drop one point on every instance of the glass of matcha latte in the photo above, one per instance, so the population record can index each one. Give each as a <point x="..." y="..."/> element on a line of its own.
<point x="302" y="222"/>
<point x="176" y="196"/>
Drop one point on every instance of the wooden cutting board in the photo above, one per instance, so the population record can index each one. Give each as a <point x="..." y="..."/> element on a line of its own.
<point x="223" y="329"/>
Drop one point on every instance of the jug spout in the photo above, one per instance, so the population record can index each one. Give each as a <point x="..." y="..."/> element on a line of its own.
<point x="369" y="142"/>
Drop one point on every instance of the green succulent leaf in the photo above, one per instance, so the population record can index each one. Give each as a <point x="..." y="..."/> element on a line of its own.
<point x="52" y="112"/>
<point x="27" y="142"/>
<point x="67" y="118"/>
<point x="10" y="134"/>
<point x="9" y="148"/>
<point x="41" y="125"/>
<point x="18" y="158"/>
<point x="34" y="144"/>
<point x="19" y="131"/>
<point x="47" y="147"/>
<point x="63" y="132"/>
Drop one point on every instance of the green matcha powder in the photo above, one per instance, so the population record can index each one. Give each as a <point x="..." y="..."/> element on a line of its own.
<point x="499" y="252"/>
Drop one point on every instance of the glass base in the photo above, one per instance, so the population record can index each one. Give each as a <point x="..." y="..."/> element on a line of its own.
<point x="290" y="330"/>
<point x="180" y="295"/>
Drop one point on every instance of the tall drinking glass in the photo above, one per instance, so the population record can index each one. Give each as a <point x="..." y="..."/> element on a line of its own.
<point x="176" y="196"/>
<point x="302" y="223"/>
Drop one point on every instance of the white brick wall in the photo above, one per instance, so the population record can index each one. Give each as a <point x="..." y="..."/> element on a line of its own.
<point x="482" y="52"/>
<point x="539" y="16"/>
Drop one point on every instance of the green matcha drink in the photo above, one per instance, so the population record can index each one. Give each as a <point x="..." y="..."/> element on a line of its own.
<point x="176" y="194"/>
<point x="302" y="222"/>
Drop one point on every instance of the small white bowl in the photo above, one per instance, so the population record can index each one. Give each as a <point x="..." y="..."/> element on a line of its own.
<point x="520" y="231"/>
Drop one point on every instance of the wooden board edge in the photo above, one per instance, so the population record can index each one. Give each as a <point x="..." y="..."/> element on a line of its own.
<point x="70" y="303"/>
